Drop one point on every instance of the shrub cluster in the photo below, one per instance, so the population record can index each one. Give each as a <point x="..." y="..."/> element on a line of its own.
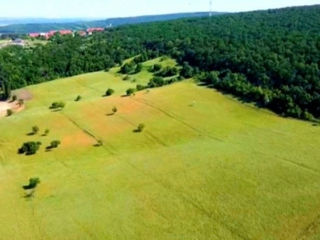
<point x="29" y="148"/>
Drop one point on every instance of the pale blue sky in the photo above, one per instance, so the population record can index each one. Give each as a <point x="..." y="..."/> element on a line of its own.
<point x="118" y="8"/>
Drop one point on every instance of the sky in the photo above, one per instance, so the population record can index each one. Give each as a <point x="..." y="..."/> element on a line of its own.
<point x="123" y="8"/>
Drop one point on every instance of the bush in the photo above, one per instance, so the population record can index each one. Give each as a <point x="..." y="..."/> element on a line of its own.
<point x="109" y="92"/>
<point x="138" y="68"/>
<point x="99" y="143"/>
<point x="130" y="91"/>
<point x="46" y="132"/>
<point x="155" y="68"/>
<point x="29" y="148"/>
<point x="57" y="105"/>
<point x="156" y="82"/>
<point x="78" y="98"/>
<point x="14" y="98"/>
<point x="167" y="72"/>
<point x="128" y="68"/>
<point x="126" y="78"/>
<point x="140" y="127"/>
<point x="54" y="144"/>
<point x="35" y="130"/>
<point x="9" y="112"/>
<point x="114" y="110"/>
<point x="33" y="183"/>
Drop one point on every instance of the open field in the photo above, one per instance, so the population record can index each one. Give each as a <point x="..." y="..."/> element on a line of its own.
<point x="206" y="166"/>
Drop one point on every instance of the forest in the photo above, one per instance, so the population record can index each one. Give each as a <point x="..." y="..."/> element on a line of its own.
<point x="271" y="58"/>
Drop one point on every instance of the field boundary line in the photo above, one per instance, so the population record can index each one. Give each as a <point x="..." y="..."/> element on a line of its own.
<point x="176" y="118"/>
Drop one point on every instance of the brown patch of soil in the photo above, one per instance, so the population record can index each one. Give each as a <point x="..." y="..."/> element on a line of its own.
<point x="78" y="139"/>
<point x="14" y="106"/>
<point x="23" y="94"/>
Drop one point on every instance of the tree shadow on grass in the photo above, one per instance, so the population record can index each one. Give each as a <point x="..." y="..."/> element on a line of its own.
<point x="56" y="110"/>
<point x="136" y="131"/>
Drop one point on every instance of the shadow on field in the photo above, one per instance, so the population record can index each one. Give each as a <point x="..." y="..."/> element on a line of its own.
<point x="56" y="110"/>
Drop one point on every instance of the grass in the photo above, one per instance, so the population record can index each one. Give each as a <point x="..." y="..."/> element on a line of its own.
<point x="205" y="166"/>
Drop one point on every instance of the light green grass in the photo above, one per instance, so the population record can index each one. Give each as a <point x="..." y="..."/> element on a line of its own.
<point x="206" y="166"/>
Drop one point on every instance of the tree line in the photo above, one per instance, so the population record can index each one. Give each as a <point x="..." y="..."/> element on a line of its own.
<point x="268" y="57"/>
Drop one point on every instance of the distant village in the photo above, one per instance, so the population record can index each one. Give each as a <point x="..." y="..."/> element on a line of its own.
<point x="48" y="35"/>
<point x="23" y="41"/>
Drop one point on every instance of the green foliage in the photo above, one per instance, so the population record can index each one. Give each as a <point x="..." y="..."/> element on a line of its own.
<point x="109" y="92"/>
<point x="57" y="105"/>
<point x="186" y="71"/>
<point x="140" y="128"/>
<point x="99" y="143"/>
<point x="126" y="78"/>
<point x="130" y="91"/>
<point x="9" y="112"/>
<point x="33" y="183"/>
<point x="54" y="144"/>
<point x="131" y="68"/>
<point x="78" y="98"/>
<point x="167" y="72"/>
<point x="155" y="68"/>
<point x="114" y="110"/>
<point x="156" y="82"/>
<point x="35" y="130"/>
<point x="46" y="132"/>
<point x="29" y="148"/>
<point x="273" y="51"/>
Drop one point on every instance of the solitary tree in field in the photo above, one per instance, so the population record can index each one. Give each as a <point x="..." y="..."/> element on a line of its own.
<point x="140" y="128"/>
<point x="78" y="98"/>
<point x="35" y="130"/>
<point x="30" y="188"/>
<point x="33" y="183"/>
<point x="57" y="105"/>
<point x="46" y="132"/>
<point x="9" y="112"/>
<point x="99" y="143"/>
<point x="114" y="110"/>
<point x="130" y="91"/>
<point x="109" y="92"/>
<point x="54" y="144"/>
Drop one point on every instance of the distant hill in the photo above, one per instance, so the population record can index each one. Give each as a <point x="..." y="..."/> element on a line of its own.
<point x="5" y="21"/>
<point x="82" y="24"/>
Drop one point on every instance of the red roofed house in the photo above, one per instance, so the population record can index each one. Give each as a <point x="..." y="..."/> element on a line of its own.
<point x="34" y="35"/>
<point x="82" y="33"/>
<point x="65" y="32"/>
<point x="91" y="30"/>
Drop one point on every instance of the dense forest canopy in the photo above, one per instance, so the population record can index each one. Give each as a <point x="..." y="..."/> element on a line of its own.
<point x="268" y="57"/>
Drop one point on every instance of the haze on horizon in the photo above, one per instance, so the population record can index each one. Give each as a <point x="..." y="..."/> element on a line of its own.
<point x="123" y="8"/>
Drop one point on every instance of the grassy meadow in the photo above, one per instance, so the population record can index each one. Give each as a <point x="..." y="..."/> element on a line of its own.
<point x="205" y="167"/>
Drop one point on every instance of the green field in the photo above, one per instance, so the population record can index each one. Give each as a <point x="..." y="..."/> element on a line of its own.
<point x="205" y="167"/>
